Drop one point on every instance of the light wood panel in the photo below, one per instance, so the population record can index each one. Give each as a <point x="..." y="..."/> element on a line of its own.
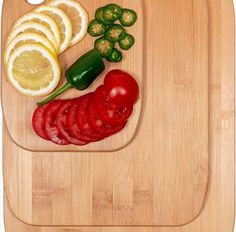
<point x="218" y="212"/>
<point x="22" y="108"/>
<point x="161" y="177"/>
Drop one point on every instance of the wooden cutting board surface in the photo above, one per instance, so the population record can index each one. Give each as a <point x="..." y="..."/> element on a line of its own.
<point x="158" y="179"/>
<point x="22" y="107"/>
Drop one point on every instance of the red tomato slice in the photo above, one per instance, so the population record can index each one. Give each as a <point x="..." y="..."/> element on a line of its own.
<point x="72" y="125"/>
<point x="38" y="120"/>
<point x="108" y="112"/>
<point x="98" y="125"/>
<point x="50" y="124"/>
<point x="82" y="118"/>
<point x="62" y="127"/>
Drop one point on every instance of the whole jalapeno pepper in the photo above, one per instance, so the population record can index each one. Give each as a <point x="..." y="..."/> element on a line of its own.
<point x="81" y="74"/>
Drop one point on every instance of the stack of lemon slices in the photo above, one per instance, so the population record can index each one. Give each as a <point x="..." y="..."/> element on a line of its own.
<point x="36" y="40"/>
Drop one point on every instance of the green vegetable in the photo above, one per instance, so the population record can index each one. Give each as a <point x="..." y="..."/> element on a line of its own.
<point x="104" y="46"/>
<point x="96" y="28"/>
<point x="116" y="56"/>
<point x="128" y="18"/>
<point x="115" y="33"/>
<point x="99" y="16"/>
<point x="127" y="42"/>
<point x="112" y="12"/>
<point x="81" y="74"/>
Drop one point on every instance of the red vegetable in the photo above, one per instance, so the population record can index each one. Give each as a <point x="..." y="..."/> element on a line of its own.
<point x="50" y="124"/>
<point x="62" y="127"/>
<point x="121" y="88"/>
<point x="38" y="120"/>
<point x="82" y="119"/>
<point x="72" y="125"/>
<point x="109" y="112"/>
<point x="98" y="125"/>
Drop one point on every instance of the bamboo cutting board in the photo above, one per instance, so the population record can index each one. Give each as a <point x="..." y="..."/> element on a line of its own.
<point x="218" y="212"/>
<point x="158" y="179"/>
<point x="20" y="127"/>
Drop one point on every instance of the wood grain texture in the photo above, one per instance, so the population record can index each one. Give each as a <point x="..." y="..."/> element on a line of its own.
<point x="161" y="177"/>
<point x="20" y="127"/>
<point x="218" y="213"/>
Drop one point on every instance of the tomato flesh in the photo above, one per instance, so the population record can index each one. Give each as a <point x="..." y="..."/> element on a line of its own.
<point x="38" y="121"/>
<point x="108" y="112"/>
<point x="62" y="127"/>
<point x="72" y="125"/>
<point x="82" y="118"/>
<point x="98" y="125"/>
<point x="50" y="124"/>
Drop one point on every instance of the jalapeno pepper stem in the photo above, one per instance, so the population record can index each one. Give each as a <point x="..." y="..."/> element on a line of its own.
<point x="66" y="86"/>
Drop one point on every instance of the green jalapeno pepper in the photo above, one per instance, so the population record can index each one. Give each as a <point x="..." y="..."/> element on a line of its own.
<point x="112" y="12"/>
<point x="99" y="16"/>
<point x="115" y="33"/>
<point x="116" y="56"/>
<point x="104" y="46"/>
<point x="81" y="74"/>
<point x="128" y="18"/>
<point x="127" y="42"/>
<point x="96" y="28"/>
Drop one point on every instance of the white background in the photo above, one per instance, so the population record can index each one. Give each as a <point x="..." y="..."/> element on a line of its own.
<point x="1" y="178"/>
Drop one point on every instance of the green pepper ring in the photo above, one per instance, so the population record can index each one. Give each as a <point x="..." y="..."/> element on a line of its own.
<point x="92" y="29"/>
<point x="112" y="12"/>
<point x="127" y="42"/>
<point x="104" y="46"/>
<point x="112" y="31"/>
<point x="116" y="56"/>
<point x="131" y="21"/>
<point x="99" y="16"/>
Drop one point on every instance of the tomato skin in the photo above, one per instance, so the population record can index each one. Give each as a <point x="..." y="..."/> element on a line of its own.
<point x="121" y="88"/>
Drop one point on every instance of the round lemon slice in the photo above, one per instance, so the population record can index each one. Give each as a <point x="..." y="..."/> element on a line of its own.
<point x="43" y="19"/>
<point x="33" y="70"/>
<point x="77" y="15"/>
<point x="63" y="23"/>
<point x="27" y="38"/>
<point x="35" y="28"/>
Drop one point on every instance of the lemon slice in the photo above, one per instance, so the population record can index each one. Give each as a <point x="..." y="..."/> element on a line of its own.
<point x="27" y="38"/>
<point x="77" y="15"/>
<point x="62" y="22"/>
<point x="33" y="70"/>
<point x="35" y="28"/>
<point x="43" y="19"/>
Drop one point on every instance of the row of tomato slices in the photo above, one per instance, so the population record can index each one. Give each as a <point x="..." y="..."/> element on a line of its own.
<point x="89" y="118"/>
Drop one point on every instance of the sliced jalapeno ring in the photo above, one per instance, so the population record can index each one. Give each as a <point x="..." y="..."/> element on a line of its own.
<point x="128" y="18"/>
<point x="96" y="28"/>
<point x="116" y="56"/>
<point x="127" y="42"/>
<point x="99" y="16"/>
<point x="104" y="46"/>
<point x="115" y="33"/>
<point x="112" y="12"/>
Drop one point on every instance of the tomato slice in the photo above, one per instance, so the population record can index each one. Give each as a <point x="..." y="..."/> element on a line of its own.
<point x="108" y="112"/>
<point x="98" y="125"/>
<point x="82" y="118"/>
<point x="50" y="126"/>
<point x="38" y="120"/>
<point x="72" y="125"/>
<point x="62" y="127"/>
